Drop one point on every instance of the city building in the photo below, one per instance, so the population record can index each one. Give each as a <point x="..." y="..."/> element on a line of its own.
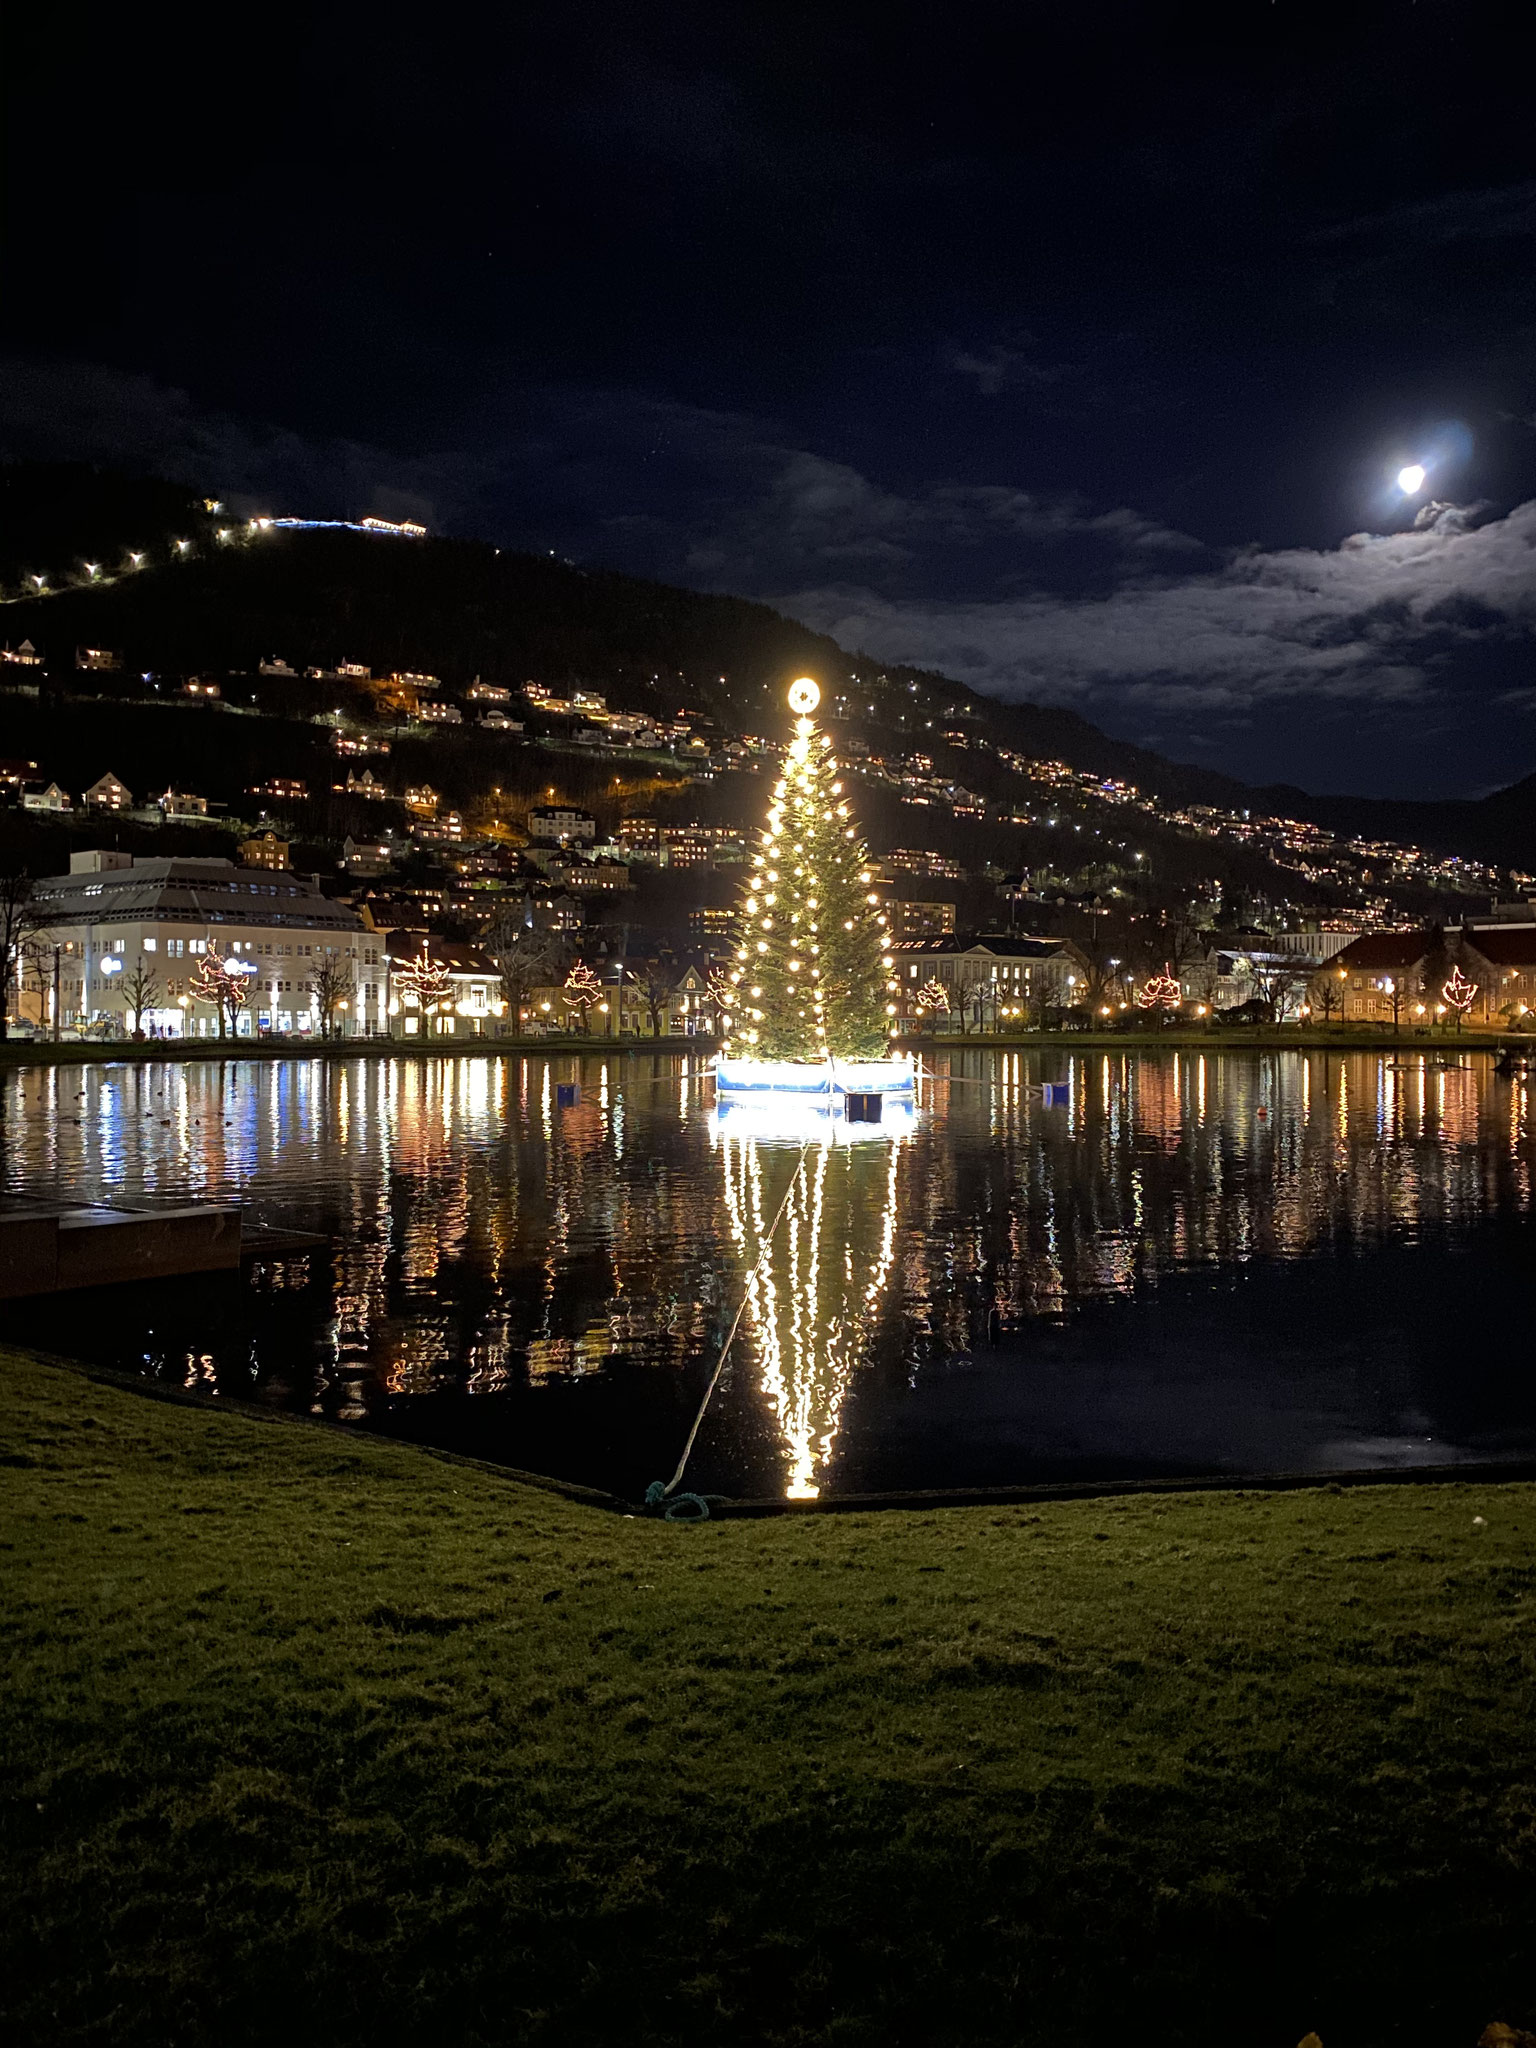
<point x="441" y="988"/>
<point x="561" y="825"/>
<point x="989" y="977"/>
<point x="133" y="934"/>
<point x="920" y="920"/>
<point x="1383" y="977"/>
<point x="1501" y="960"/>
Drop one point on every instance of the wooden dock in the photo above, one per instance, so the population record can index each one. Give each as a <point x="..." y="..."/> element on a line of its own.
<point x="50" y="1248"/>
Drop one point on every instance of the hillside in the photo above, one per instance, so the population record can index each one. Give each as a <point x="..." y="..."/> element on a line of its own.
<point x="456" y="609"/>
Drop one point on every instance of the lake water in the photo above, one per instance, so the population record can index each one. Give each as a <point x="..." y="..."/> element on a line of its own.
<point x="1190" y="1264"/>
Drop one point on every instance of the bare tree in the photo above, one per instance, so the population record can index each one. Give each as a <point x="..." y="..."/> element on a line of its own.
<point x="19" y="919"/>
<point x="657" y="987"/>
<point x="526" y="957"/>
<point x="1326" y="994"/>
<point x="1274" y="983"/>
<point x="43" y="963"/>
<point x="141" y="992"/>
<point x="332" y="987"/>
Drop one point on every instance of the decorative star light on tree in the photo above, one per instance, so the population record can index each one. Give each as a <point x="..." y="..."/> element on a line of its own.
<point x="582" y="989"/>
<point x="811" y="978"/>
<point x="1160" y="992"/>
<point x="1459" y="994"/>
<point x="425" y="979"/>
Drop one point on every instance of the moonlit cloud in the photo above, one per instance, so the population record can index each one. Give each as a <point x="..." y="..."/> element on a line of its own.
<point x="1361" y="621"/>
<point x="1413" y="645"/>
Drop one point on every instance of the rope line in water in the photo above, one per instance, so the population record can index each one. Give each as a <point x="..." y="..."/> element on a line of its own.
<point x="657" y="1493"/>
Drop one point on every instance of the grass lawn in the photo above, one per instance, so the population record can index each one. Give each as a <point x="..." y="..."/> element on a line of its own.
<point x="311" y="1739"/>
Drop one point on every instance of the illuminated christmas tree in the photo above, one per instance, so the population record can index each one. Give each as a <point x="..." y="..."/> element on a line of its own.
<point x="812" y="974"/>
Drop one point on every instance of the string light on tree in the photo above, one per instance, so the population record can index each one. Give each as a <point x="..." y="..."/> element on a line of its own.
<point x="933" y="996"/>
<point x="582" y="989"/>
<point x="424" y="980"/>
<point x="1459" y="994"/>
<point x="1160" y="992"/>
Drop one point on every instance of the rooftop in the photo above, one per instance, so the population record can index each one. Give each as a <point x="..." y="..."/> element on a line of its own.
<point x="187" y="892"/>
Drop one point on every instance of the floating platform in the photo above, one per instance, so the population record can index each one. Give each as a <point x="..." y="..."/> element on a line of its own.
<point x="828" y="1082"/>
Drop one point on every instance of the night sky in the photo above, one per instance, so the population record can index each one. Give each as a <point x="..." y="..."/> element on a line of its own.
<point x="1069" y="350"/>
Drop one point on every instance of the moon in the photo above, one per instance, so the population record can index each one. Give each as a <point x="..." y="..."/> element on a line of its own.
<point x="1410" y="481"/>
<point x="804" y="695"/>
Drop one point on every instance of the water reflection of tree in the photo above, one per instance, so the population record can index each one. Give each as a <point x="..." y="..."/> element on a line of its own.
<point x="814" y="1291"/>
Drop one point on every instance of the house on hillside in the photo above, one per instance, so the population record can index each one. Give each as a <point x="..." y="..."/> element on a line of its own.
<point x="108" y="794"/>
<point x="561" y="825"/>
<point x="50" y="799"/>
<point x="181" y="807"/>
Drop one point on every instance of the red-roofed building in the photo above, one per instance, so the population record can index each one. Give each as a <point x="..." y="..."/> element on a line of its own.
<point x="1501" y="959"/>
<point x="1382" y="975"/>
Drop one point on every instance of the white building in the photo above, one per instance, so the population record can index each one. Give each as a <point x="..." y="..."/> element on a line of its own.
<point x="50" y="799"/>
<point x="127" y="930"/>
<point x="561" y="825"/>
<point x="441" y="988"/>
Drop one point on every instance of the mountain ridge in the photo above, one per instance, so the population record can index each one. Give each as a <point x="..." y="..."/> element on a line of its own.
<point x="456" y="607"/>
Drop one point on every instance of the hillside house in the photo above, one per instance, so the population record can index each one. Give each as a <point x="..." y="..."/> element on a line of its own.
<point x="561" y="825"/>
<point x="109" y="793"/>
<point x="51" y="798"/>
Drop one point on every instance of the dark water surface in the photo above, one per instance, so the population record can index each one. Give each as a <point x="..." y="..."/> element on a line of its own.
<point x="1218" y="1263"/>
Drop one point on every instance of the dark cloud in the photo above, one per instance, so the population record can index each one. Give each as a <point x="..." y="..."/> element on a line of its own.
<point x="998" y="369"/>
<point x="1333" y="665"/>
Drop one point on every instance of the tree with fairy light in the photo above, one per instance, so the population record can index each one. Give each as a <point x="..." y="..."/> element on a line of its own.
<point x="811" y="979"/>
<point x="934" y="997"/>
<point x="1459" y="994"/>
<point x="1160" y="995"/>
